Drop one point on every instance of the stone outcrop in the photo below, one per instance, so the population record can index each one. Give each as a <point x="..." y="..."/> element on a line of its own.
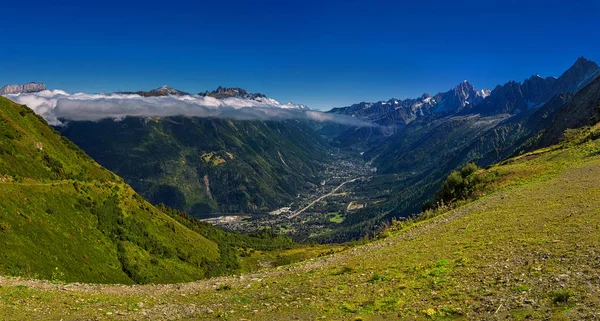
<point x="19" y="89"/>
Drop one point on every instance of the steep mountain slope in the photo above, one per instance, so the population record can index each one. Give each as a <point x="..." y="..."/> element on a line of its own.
<point x="525" y="251"/>
<point x="515" y="97"/>
<point x="204" y="165"/>
<point x="416" y="147"/>
<point x="57" y="202"/>
<point x="64" y="217"/>
<point x="582" y="110"/>
<point x="513" y="135"/>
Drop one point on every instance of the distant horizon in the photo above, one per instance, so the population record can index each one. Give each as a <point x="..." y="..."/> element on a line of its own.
<point x="195" y="92"/>
<point x="322" y="54"/>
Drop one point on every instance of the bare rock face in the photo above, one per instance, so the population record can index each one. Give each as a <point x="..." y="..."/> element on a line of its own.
<point x="19" y="89"/>
<point x="33" y="87"/>
<point x="224" y="92"/>
<point x="10" y="89"/>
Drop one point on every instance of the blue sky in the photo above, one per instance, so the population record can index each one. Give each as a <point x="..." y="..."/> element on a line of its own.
<point x="319" y="53"/>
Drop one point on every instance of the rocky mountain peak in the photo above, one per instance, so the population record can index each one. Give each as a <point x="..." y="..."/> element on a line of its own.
<point x="580" y="74"/>
<point x="535" y="77"/>
<point x="464" y="90"/>
<point x="158" y="92"/>
<point x="168" y="90"/>
<point x="234" y="92"/>
<point x="582" y="66"/>
<point x="583" y="61"/>
<point x="31" y="87"/>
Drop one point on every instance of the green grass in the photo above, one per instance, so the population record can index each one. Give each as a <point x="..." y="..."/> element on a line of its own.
<point x="335" y="217"/>
<point x="522" y="251"/>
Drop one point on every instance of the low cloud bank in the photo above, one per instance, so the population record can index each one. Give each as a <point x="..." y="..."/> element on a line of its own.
<point x="58" y="105"/>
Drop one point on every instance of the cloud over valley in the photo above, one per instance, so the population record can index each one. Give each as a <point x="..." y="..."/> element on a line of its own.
<point x="58" y="106"/>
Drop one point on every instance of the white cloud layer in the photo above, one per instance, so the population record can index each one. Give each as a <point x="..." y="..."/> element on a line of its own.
<point x="56" y="106"/>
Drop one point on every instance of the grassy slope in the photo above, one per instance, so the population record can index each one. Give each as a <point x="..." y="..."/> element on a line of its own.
<point x="56" y="203"/>
<point x="528" y="250"/>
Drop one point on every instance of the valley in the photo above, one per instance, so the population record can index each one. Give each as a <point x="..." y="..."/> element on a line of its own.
<point x="315" y="210"/>
<point x="434" y="215"/>
<point x="268" y="165"/>
<point x="265" y="164"/>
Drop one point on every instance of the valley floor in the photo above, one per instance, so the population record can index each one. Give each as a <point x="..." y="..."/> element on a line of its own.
<point x="528" y="251"/>
<point x="317" y="210"/>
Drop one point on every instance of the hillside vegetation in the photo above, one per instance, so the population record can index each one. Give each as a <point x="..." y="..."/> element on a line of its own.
<point x="526" y="248"/>
<point x="65" y="218"/>
<point x="207" y="165"/>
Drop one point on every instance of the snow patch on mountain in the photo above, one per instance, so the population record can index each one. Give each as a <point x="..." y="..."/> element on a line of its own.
<point x="483" y="93"/>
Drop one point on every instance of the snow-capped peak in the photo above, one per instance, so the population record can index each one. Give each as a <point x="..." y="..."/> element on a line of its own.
<point x="483" y="93"/>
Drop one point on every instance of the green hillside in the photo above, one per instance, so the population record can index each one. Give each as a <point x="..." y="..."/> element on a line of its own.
<point x="526" y="249"/>
<point x="204" y="165"/>
<point x="63" y="217"/>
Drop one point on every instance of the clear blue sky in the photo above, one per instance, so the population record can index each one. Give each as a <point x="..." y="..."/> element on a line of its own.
<point x="320" y="53"/>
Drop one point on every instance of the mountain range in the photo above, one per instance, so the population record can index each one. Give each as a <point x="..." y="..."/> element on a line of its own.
<point x="219" y="93"/>
<point x="510" y="98"/>
<point x="108" y="201"/>
<point x="395" y="111"/>
<point x="211" y="165"/>
<point x="413" y="143"/>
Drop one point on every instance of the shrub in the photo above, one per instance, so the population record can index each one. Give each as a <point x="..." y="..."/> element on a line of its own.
<point x="561" y="297"/>
<point x="224" y="287"/>
<point x="377" y="277"/>
<point x="459" y="185"/>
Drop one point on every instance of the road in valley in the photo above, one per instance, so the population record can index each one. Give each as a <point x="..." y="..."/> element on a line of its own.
<point x="322" y="197"/>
